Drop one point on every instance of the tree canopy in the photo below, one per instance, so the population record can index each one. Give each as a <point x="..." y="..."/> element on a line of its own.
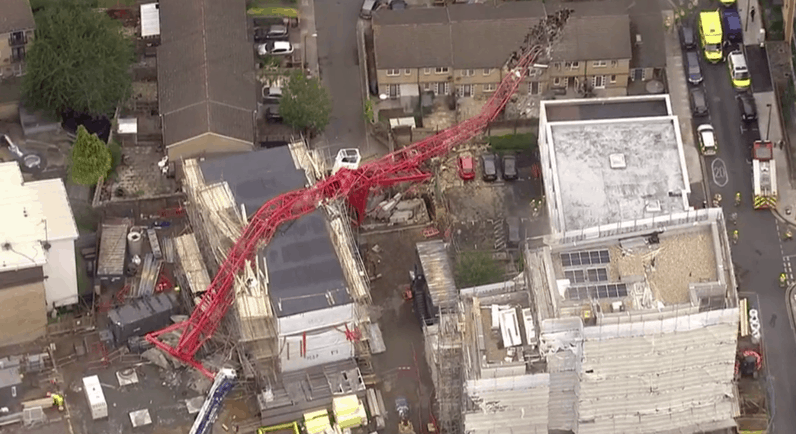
<point x="90" y="159"/>
<point x="80" y="60"/>
<point x="305" y="104"/>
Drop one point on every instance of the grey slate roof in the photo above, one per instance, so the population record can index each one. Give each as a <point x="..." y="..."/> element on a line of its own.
<point x="646" y="20"/>
<point x="205" y="70"/>
<point x="484" y="36"/>
<point x="304" y="273"/>
<point x="594" y="38"/>
<point x="16" y="15"/>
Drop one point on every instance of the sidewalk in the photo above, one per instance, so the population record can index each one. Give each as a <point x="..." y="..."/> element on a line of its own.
<point x="681" y="106"/>
<point x="752" y="30"/>
<point x="309" y="36"/>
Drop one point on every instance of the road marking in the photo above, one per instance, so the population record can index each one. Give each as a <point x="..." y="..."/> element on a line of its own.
<point x="719" y="172"/>
<point x="786" y="263"/>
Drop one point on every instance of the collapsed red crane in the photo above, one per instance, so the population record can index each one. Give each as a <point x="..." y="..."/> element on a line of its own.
<point x="402" y="166"/>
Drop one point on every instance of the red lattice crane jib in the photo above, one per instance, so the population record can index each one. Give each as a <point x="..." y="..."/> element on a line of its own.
<point x="403" y="166"/>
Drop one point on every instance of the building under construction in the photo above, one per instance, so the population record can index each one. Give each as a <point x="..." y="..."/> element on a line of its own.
<point x="299" y="325"/>
<point x="623" y="328"/>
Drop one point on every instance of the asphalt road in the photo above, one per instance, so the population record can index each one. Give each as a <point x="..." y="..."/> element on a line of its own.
<point x="336" y="22"/>
<point x="758" y="256"/>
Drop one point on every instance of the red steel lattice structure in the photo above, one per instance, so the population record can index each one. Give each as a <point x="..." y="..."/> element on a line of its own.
<point x="403" y="166"/>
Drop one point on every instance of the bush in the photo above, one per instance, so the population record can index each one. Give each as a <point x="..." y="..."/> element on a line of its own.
<point x="513" y="143"/>
<point x="90" y="159"/>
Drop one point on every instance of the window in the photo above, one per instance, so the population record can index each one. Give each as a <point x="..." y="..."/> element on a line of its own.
<point x="13" y="391"/>
<point x="557" y="65"/>
<point x="468" y="72"/>
<point x="535" y="72"/>
<point x="534" y="88"/>
<point x="614" y="63"/>
<point x="487" y="71"/>
<point x="638" y="74"/>
<point x="18" y="54"/>
<point x="466" y="90"/>
<point x="407" y="72"/>
<point x="443" y="88"/>
<point x="598" y="82"/>
<point x="427" y="71"/>
<point x="441" y="70"/>
<point x="490" y="87"/>
<point x="600" y="63"/>
<point x="426" y="87"/>
<point x="571" y="65"/>
<point x="556" y="81"/>
<point x="395" y="91"/>
<point x="393" y="72"/>
<point x="613" y="79"/>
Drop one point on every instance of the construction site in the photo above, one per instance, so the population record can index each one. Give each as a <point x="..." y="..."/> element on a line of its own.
<point x="286" y="293"/>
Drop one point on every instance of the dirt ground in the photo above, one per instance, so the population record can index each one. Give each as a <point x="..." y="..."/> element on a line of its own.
<point x="399" y="366"/>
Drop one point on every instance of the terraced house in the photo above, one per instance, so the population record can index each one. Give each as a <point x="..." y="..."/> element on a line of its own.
<point x="462" y="49"/>
<point x="16" y="32"/>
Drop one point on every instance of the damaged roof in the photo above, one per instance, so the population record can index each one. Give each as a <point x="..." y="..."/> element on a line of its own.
<point x="304" y="273"/>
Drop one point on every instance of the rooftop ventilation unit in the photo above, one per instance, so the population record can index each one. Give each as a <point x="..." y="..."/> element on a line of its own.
<point x="617" y="161"/>
<point x="638" y="39"/>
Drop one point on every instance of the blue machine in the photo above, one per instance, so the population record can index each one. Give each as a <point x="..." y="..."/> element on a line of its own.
<point x="222" y="385"/>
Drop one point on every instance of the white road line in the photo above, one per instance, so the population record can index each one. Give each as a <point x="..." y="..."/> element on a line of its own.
<point x="786" y="264"/>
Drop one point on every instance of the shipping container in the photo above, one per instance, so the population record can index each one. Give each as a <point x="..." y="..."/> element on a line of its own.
<point x="95" y="397"/>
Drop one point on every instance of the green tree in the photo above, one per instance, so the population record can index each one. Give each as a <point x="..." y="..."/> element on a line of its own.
<point x="90" y="159"/>
<point x="80" y="60"/>
<point x="305" y="104"/>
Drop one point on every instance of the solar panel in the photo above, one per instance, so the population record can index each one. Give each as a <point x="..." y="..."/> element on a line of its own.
<point x="589" y="275"/>
<point x="592" y="257"/>
<point x="585" y="292"/>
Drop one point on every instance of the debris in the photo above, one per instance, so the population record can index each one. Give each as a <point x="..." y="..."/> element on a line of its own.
<point x="155" y="356"/>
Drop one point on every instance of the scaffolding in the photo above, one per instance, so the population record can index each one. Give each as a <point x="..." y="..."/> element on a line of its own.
<point x="444" y="355"/>
<point x="217" y="224"/>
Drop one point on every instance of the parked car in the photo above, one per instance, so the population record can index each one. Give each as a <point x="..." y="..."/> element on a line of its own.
<point x="489" y="164"/>
<point x="397" y="5"/>
<point x="699" y="102"/>
<point x="275" y="48"/>
<point x="748" y="108"/>
<point x="272" y="94"/>
<point x="692" y="69"/>
<point x="509" y="167"/>
<point x="707" y="140"/>
<point x="368" y="6"/>
<point x="687" y="37"/>
<point x="272" y="113"/>
<point x="277" y="31"/>
<point x="466" y="167"/>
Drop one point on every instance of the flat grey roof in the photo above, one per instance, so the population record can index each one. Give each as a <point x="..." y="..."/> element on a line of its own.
<point x="600" y="110"/>
<point x="304" y="273"/>
<point x="592" y="193"/>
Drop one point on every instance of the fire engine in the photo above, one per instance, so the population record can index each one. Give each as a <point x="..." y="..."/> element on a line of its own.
<point x="764" y="175"/>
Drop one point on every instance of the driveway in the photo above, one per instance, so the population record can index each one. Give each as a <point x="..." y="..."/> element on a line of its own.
<point x="336" y="23"/>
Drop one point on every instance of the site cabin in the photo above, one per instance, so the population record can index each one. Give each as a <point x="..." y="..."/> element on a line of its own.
<point x="764" y="175"/>
<point x="710" y="34"/>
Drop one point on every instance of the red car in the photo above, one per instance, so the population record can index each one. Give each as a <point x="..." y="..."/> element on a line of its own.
<point x="466" y="167"/>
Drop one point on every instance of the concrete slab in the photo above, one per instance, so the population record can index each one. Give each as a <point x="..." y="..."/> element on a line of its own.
<point x="594" y="191"/>
<point x="140" y="418"/>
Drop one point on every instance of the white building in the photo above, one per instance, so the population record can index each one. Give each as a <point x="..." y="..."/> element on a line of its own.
<point x="38" y="271"/>
<point x="611" y="160"/>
